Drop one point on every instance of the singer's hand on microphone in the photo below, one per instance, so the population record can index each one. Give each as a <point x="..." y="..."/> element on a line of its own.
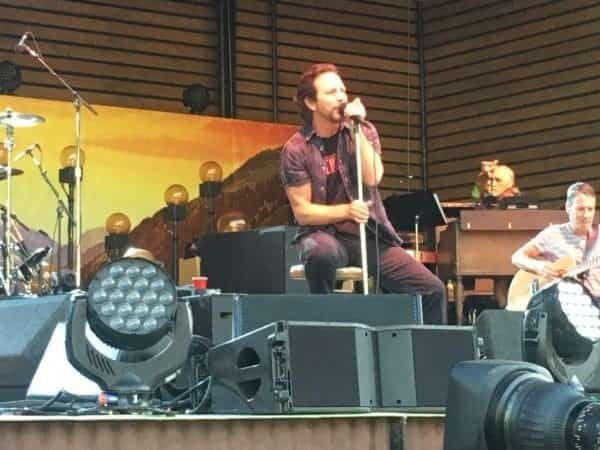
<point x="355" y="110"/>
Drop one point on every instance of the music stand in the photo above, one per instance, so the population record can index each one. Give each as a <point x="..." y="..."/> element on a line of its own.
<point x="408" y="212"/>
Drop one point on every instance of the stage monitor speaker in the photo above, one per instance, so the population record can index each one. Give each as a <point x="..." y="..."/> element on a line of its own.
<point x="251" y="262"/>
<point x="295" y="367"/>
<point x="498" y="335"/>
<point x="212" y="316"/>
<point x="26" y="325"/>
<point x="254" y="311"/>
<point x="415" y="363"/>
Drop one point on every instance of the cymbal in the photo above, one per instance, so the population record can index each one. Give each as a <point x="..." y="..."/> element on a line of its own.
<point x="4" y="172"/>
<point x="13" y="119"/>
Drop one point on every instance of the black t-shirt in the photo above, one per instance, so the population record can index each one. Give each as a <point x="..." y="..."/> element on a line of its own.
<point x="336" y="194"/>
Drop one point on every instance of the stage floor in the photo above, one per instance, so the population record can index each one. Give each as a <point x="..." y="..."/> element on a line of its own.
<point x="372" y="431"/>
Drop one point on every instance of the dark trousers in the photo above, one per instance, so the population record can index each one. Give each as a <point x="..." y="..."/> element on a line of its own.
<point x="322" y="253"/>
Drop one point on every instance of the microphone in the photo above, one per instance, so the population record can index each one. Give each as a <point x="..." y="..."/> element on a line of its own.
<point x="353" y="117"/>
<point x="28" y="151"/>
<point x="33" y="261"/>
<point x="20" y="45"/>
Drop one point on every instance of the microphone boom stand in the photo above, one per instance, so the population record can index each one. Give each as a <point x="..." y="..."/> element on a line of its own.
<point x="78" y="100"/>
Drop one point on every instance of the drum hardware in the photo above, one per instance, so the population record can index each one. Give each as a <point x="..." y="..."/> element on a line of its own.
<point x="32" y="263"/>
<point x="45" y="282"/>
<point x="28" y="265"/>
<point x="13" y="171"/>
<point x="78" y="100"/>
<point x="11" y="120"/>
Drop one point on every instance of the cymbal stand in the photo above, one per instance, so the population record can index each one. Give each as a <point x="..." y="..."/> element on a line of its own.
<point x="9" y="143"/>
<point x="78" y="100"/>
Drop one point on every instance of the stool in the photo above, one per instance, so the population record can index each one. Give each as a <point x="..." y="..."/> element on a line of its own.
<point x="347" y="275"/>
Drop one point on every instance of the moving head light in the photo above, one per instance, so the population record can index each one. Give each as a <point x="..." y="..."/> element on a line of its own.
<point x="561" y="332"/>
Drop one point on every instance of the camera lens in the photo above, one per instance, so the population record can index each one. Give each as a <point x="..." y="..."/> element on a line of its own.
<point x="585" y="428"/>
<point x="532" y="413"/>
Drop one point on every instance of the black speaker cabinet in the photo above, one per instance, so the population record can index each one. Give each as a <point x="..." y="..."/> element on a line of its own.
<point x="253" y="311"/>
<point x="415" y="363"/>
<point x="295" y="367"/>
<point x="251" y="262"/>
<point x="25" y="329"/>
<point x="498" y="335"/>
<point x="212" y="316"/>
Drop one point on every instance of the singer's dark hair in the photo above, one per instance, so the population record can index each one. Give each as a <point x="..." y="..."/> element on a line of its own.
<point x="306" y="87"/>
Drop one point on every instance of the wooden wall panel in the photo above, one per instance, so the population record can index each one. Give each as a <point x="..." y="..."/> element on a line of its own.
<point x="514" y="81"/>
<point x="373" y="44"/>
<point x="142" y="53"/>
<point x="135" y="53"/>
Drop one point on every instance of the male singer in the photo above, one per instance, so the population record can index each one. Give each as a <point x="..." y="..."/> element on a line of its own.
<point x="318" y="171"/>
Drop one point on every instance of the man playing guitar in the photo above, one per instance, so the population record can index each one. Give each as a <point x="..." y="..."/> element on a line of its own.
<point x="559" y="250"/>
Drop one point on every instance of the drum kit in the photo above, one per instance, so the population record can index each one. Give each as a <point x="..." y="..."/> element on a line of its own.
<point x="24" y="270"/>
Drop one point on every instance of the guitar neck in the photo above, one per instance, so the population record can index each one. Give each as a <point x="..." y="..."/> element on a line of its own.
<point x="583" y="267"/>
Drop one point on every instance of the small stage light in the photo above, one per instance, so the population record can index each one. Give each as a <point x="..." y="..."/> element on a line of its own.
<point x="116" y="241"/>
<point x="211" y="183"/>
<point x="176" y="198"/>
<point x="10" y="77"/>
<point x="196" y="98"/>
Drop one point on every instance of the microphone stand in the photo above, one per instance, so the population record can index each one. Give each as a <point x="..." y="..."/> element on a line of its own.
<point x="361" y="226"/>
<point x="60" y="210"/>
<point x="78" y="100"/>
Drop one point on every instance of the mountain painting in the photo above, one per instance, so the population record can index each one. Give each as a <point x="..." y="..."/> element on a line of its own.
<point x="131" y="157"/>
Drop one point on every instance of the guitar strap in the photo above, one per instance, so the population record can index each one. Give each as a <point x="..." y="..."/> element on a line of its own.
<point x="590" y="243"/>
<point x="588" y="253"/>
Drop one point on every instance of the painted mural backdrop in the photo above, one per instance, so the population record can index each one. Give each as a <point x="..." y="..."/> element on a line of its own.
<point x="131" y="157"/>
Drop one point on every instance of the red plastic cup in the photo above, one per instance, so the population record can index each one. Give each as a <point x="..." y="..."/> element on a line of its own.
<point x="200" y="282"/>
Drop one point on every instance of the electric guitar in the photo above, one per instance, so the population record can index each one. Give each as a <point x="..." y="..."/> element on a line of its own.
<point x="520" y="290"/>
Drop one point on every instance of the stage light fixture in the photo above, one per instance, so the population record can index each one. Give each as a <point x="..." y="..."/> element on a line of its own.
<point x="10" y="77"/>
<point x="210" y="171"/>
<point x="116" y="241"/>
<point x="131" y="305"/>
<point x="561" y="332"/>
<point x="196" y="98"/>
<point x="211" y="177"/>
<point x="502" y="405"/>
<point x="176" y="198"/>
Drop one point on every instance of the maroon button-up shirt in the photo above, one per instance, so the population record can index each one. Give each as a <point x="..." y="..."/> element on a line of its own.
<point x="302" y="162"/>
